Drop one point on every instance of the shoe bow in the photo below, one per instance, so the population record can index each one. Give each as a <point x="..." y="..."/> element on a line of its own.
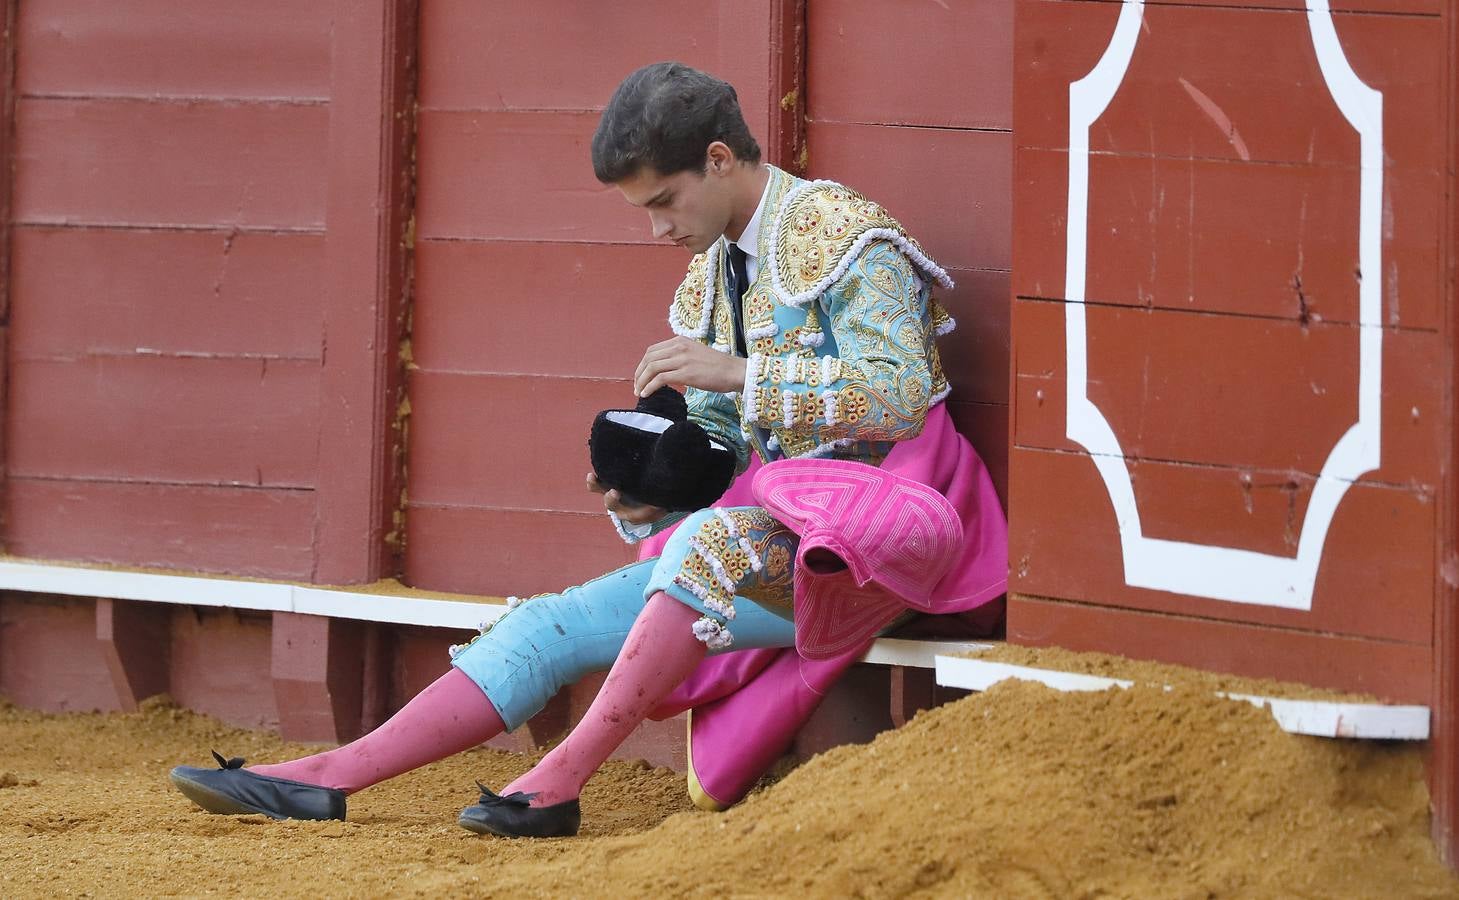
<point x="235" y="762"/>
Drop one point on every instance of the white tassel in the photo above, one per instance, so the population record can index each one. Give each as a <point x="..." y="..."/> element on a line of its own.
<point x="751" y="395"/>
<point x="829" y="398"/>
<point x="787" y="408"/>
<point x="763" y="331"/>
<point x="945" y="328"/>
<point x="715" y="564"/>
<point x="939" y="396"/>
<point x="715" y="635"/>
<point x="812" y="338"/>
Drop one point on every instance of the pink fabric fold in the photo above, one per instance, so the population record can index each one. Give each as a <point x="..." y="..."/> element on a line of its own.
<point x="749" y="705"/>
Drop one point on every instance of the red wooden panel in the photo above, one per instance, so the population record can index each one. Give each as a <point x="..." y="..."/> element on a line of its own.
<point x="1377" y="573"/>
<point x="1263" y="394"/>
<point x="361" y="437"/>
<point x="1262" y="97"/>
<point x="138" y="162"/>
<point x="517" y="176"/>
<point x="49" y="656"/>
<point x="499" y="552"/>
<point x="952" y="189"/>
<point x="84" y="290"/>
<point x="975" y="355"/>
<point x="232" y="421"/>
<point x="1397" y="673"/>
<point x="1228" y="237"/>
<point x="486" y="307"/>
<point x="912" y="64"/>
<point x="985" y="425"/>
<point x="506" y="441"/>
<point x="242" y="531"/>
<point x="560" y="54"/>
<point x="220" y="665"/>
<point x="265" y="48"/>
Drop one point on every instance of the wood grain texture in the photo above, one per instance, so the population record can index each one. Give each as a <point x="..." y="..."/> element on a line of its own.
<point x="507" y="441"/>
<point x="365" y="305"/>
<point x="130" y="418"/>
<point x="239" y="531"/>
<point x="165" y="292"/>
<point x="517" y="176"/>
<point x="560" y="54"/>
<point x="976" y="354"/>
<point x="951" y="189"/>
<point x="944" y="65"/>
<point x="1228" y="237"/>
<point x="49" y="657"/>
<point x="1394" y="672"/>
<point x="499" y="552"/>
<point x="489" y="306"/>
<point x="262" y="49"/>
<point x="1263" y="98"/>
<point x="1263" y="395"/>
<point x="1376" y="577"/>
<point x="192" y="164"/>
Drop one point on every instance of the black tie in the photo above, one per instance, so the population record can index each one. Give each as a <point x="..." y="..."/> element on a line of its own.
<point x="738" y="281"/>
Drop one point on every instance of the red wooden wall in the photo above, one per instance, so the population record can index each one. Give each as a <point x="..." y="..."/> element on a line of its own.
<point x="167" y="242"/>
<point x="1222" y="307"/>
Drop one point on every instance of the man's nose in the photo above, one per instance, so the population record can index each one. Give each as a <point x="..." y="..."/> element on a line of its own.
<point x="662" y="227"/>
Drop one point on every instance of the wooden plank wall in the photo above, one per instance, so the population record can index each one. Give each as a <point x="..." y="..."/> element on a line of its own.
<point x="168" y="217"/>
<point x="912" y="106"/>
<point x="537" y="289"/>
<point x="1222" y="308"/>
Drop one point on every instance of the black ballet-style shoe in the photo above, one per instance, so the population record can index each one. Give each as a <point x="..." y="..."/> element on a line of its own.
<point x="654" y="454"/>
<point x="232" y="790"/>
<point x="512" y="816"/>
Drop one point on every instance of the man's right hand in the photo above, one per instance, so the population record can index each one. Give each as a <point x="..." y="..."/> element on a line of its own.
<point x="629" y="513"/>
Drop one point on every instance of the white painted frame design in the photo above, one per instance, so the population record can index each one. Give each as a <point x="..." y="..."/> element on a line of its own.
<point x="1204" y="570"/>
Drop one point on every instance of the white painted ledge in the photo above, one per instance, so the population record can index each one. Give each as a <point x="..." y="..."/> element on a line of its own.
<point x="342" y="603"/>
<point x="1320" y="718"/>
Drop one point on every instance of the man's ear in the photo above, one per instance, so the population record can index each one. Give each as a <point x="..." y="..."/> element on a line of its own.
<point x="719" y="158"/>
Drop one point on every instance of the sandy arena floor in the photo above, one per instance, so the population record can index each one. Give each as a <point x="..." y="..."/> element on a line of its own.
<point x="1018" y="792"/>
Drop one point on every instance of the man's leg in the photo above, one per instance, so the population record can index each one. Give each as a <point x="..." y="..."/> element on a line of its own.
<point x="711" y="558"/>
<point x="498" y="681"/>
<point x="449" y="716"/>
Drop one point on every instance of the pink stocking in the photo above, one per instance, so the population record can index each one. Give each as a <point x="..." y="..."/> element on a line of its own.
<point x="660" y="652"/>
<point x="449" y="716"/>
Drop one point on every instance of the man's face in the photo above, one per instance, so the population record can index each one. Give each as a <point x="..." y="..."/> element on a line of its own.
<point x="690" y="208"/>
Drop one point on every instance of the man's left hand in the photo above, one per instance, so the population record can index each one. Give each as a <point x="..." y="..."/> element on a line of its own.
<point x="682" y="362"/>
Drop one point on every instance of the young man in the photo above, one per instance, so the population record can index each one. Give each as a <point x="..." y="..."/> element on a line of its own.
<point x="803" y="331"/>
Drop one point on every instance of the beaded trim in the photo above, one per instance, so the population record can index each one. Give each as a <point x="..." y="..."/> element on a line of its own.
<point x="901" y="241"/>
<point x="753" y="367"/>
<point x="762" y="331"/>
<point x="812" y="338"/>
<point x="945" y="327"/>
<point x="829" y="399"/>
<point x="711" y="267"/>
<point x="735" y="535"/>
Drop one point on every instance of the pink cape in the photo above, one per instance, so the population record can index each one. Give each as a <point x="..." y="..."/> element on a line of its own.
<point x="748" y="705"/>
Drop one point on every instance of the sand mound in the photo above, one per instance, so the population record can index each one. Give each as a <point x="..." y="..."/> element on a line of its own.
<point x="1018" y="792"/>
<point x="1026" y="792"/>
